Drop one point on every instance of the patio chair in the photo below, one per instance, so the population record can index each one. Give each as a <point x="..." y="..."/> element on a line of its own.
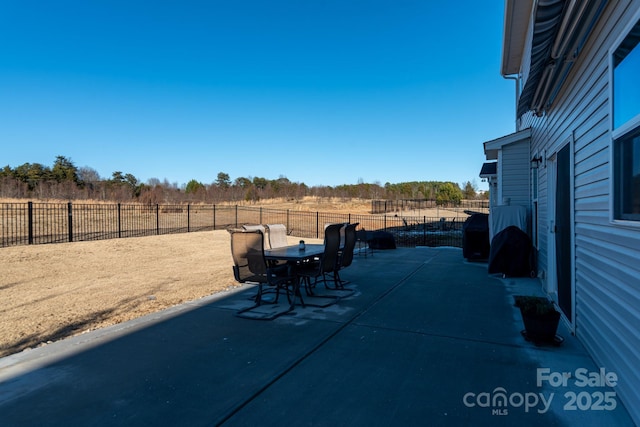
<point x="344" y="224"/>
<point x="250" y="266"/>
<point x="346" y="254"/>
<point x="314" y="272"/>
<point x="254" y="227"/>
<point x="277" y="234"/>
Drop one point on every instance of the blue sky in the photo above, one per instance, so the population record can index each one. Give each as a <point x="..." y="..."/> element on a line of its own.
<point x="321" y="92"/>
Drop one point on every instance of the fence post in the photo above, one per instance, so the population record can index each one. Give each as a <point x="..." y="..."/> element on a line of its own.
<point x="157" y="219"/>
<point x="70" y="222"/>
<point x="317" y="225"/>
<point x="288" y="225"/>
<point x="119" y="220"/>
<point x="214" y="216"/>
<point x="260" y="221"/>
<point x="424" y="231"/>
<point x="236" y="216"/>
<point x="30" y="222"/>
<point x="188" y="217"/>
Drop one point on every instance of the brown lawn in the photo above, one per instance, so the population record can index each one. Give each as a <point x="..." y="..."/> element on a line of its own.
<point x="49" y="292"/>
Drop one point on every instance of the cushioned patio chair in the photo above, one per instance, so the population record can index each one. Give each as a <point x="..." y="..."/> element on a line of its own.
<point x="277" y="234"/>
<point x="250" y="266"/>
<point x="260" y="227"/>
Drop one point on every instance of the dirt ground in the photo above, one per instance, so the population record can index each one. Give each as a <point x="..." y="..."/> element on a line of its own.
<point x="49" y="292"/>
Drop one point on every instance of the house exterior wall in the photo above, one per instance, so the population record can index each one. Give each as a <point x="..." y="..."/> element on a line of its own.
<point x="606" y="270"/>
<point x="514" y="173"/>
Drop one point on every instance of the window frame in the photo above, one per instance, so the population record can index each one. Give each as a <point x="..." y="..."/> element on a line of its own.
<point x="620" y="135"/>
<point x="620" y="146"/>
<point x="535" y="188"/>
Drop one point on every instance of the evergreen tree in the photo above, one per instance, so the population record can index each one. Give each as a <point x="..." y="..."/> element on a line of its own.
<point x="448" y="192"/>
<point x="64" y="170"/>
<point x="223" y="180"/>
<point x="193" y="187"/>
<point x="469" y="192"/>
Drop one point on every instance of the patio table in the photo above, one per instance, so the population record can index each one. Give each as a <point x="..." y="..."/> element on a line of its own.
<point x="293" y="252"/>
<point x="294" y="255"/>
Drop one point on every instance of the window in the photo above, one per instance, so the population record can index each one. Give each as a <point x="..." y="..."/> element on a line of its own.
<point x="628" y="176"/>
<point x="626" y="126"/>
<point x="626" y="90"/>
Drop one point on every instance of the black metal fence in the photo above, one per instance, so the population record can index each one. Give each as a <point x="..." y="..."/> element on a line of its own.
<point x="386" y="206"/>
<point x="38" y="223"/>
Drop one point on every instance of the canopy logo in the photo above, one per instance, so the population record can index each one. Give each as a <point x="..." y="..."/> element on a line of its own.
<point x="500" y="401"/>
<point x="595" y="395"/>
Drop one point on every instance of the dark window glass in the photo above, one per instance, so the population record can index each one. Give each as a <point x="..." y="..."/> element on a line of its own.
<point x="628" y="177"/>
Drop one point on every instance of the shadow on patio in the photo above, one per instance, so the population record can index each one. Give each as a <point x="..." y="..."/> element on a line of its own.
<point x="427" y="338"/>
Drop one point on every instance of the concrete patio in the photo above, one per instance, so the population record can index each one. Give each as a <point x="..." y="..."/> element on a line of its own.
<point x="427" y="339"/>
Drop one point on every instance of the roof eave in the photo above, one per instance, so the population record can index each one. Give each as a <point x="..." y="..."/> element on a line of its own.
<point x="517" y="15"/>
<point x="492" y="147"/>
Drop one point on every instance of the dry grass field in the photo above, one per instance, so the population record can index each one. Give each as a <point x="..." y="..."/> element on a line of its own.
<point x="53" y="291"/>
<point x="49" y="292"/>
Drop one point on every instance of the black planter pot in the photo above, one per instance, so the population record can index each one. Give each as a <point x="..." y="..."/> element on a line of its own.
<point x="541" y="327"/>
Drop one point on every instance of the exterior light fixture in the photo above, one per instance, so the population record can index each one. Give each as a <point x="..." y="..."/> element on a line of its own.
<point x="535" y="162"/>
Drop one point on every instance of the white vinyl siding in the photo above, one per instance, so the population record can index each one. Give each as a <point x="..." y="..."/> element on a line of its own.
<point x="515" y="173"/>
<point x="607" y="271"/>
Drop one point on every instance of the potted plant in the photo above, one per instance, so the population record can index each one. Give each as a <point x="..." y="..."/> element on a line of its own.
<point x="540" y="319"/>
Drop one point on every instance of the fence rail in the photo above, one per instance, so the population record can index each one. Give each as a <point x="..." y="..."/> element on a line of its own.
<point x="386" y="206"/>
<point x="39" y="223"/>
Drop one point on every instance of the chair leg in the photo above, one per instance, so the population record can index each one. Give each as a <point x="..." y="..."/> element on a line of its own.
<point x="258" y="298"/>
<point x="341" y="280"/>
<point x="289" y="293"/>
<point x="297" y="293"/>
<point x="309" y="285"/>
<point x="337" y="283"/>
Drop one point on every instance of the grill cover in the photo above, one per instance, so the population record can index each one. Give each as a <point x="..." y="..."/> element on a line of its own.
<point x="511" y="253"/>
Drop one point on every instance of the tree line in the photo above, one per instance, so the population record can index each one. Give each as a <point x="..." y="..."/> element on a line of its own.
<point x="66" y="181"/>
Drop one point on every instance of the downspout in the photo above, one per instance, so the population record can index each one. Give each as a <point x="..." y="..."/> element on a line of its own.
<point x="515" y="78"/>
